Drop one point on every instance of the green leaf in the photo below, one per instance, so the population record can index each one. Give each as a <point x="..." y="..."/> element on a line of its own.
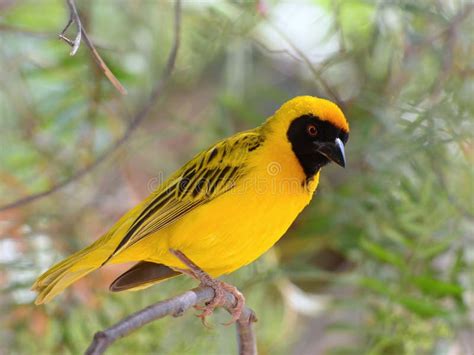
<point x="436" y="248"/>
<point x="436" y="287"/>
<point x="376" y="285"/>
<point x="357" y="20"/>
<point x="397" y="236"/>
<point x="382" y="254"/>
<point x="421" y="307"/>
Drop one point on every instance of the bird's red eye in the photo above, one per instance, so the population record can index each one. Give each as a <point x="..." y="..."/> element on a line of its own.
<point x="312" y="130"/>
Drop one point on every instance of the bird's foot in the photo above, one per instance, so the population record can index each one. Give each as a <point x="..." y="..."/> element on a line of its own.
<point x="220" y="299"/>
<point x="238" y="306"/>
<point x="220" y="289"/>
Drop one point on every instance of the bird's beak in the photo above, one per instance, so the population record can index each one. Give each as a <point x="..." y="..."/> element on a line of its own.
<point x="333" y="151"/>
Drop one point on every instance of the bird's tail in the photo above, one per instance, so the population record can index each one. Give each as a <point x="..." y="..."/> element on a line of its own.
<point x="79" y="264"/>
<point x="71" y="269"/>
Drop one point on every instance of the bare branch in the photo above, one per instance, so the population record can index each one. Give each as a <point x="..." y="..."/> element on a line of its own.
<point x="176" y="307"/>
<point x="24" y="31"/>
<point x="316" y="72"/>
<point x="73" y="17"/>
<point x="276" y="51"/>
<point x="115" y="82"/>
<point x="135" y="121"/>
<point x="81" y="32"/>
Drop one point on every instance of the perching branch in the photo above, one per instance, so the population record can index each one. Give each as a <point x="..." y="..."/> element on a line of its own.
<point x="81" y="32"/>
<point x="176" y="307"/>
<point x="135" y="121"/>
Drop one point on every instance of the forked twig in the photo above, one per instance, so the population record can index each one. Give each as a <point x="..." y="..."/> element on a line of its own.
<point x="81" y="33"/>
<point x="176" y="307"/>
<point x="316" y="73"/>
<point x="73" y="17"/>
<point x="135" y="121"/>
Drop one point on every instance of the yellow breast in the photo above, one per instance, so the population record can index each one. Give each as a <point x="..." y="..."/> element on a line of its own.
<point x="242" y="224"/>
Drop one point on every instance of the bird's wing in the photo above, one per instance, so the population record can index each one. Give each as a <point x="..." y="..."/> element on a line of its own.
<point x="210" y="174"/>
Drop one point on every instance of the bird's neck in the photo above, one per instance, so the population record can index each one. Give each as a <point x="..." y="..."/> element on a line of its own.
<point x="311" y="163"/>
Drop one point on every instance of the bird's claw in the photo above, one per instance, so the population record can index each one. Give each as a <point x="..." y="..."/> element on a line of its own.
<point x="236" y="310"/>
<point x="219" y="300"/>
<point x="220" y="288"/>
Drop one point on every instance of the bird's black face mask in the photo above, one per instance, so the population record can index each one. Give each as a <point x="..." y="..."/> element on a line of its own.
<point x="316" y="143"/>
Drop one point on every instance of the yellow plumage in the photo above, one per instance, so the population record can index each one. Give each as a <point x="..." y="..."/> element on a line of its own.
<point x="223" y="209"/>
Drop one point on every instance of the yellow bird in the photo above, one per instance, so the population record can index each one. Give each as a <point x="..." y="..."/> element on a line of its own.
<point x="221" y="210"/>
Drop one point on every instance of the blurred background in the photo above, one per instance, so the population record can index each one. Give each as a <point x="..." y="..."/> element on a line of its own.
<point x="382" y="260"/>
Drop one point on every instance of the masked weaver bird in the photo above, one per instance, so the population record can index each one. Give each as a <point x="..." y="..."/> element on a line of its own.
<point x="221" y="210"/>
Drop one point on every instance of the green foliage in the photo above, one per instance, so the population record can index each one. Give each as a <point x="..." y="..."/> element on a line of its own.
<point x="388" y="241"/>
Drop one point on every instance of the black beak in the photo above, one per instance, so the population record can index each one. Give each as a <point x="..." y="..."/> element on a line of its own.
<point x="333" y="151"/>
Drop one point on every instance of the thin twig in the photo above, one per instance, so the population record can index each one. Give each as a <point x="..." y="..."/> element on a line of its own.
<point x="450" y="34"/>
<point x="132" y="126"/>
<point x="316" y="73"/>
<point x="414" y="49"/>
<point x="47" y="35"/>
<point x="73" y="17"/>
<point x="276" y="51"/>
<point x="451" y="198"/>
<point x="81" y="32"/>
<point x="100" y="62"/>
<point x="24" y="31"/>
<point x="176" y="307"/>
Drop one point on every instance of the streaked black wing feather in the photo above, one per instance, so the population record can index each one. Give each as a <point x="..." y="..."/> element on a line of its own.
<point x="207" y="176"/>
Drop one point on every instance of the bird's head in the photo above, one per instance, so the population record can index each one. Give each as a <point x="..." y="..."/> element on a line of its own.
<point x="315" y="129"/>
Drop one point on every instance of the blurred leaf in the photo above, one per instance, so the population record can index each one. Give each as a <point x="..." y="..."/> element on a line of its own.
<point x="384" y="255"/>
<point x="422" y="307"/>
<point x="436" y="287"/>
<point x="376" y="285"/>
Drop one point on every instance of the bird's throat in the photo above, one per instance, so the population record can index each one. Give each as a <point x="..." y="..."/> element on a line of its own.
<point x="311" y="163"/>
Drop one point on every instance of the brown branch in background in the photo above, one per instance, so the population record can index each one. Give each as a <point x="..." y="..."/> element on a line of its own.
<point x="132" y="126"/>
<point x="413" y="50"/>
<point x="316" y="73"/>
<point x="450" y="40"/>
<point x="24" y="31"/>
<point x="81" y="32"/>
<point x="47" y="35"/>
<point x="175" y="307"/>
<point x="466" y="212"/>
<point x="73" y="17"/>
<point x="276" y="51"/>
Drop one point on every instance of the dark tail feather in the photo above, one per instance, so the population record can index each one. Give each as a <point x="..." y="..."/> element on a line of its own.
<point x="142" y="275"/>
